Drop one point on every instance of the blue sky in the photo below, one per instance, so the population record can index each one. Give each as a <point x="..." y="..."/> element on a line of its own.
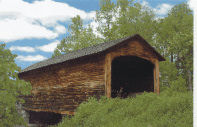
<point x="33" y="28"/>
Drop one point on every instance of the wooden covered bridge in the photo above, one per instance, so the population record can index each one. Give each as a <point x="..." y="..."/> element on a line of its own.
<point x="60" y="84"/>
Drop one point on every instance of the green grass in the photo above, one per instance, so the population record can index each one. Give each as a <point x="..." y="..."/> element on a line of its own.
<point x="169" y="109"/>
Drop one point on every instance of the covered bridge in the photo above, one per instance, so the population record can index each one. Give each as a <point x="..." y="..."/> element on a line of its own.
<point x="60" y="84"/>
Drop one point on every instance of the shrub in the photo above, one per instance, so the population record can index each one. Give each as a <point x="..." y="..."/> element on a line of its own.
<point x="147" y="110"/>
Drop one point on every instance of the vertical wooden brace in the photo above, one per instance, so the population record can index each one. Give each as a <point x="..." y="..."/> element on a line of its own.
<point x="156" y="77"/>
<point x="108" y="75"/>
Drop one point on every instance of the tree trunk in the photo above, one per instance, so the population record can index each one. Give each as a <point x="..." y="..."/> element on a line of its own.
<point x="171" y="56"/>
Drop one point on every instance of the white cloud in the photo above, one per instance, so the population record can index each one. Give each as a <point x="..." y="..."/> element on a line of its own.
<point x="91" y="15"/>
<point x="49" y="47"/>
<point x="30" y="58"/>
<point x="22" y="48"/>
<point x="162" y="9"/>
<point x="45" y="48"/>
<point x="18" y="29"/>
<point x="23" y="20"/>
<point x="145" y="3"/>
<point x="60" y="29"/>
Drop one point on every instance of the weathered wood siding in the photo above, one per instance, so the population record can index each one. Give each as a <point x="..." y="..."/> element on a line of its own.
<point x="63" y="87"/>
<point x="133" y="48"/>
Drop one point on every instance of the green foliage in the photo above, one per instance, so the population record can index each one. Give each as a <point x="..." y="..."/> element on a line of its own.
<point x="79" y="37"/>
<point x="178" y="85"/>
<point x="115" y="20"/>
<point x="125" y="18"/>
<point x="104" y="18"/>
<point x="10" y="89"/>
<point x="175" y="37"/>
<point x="172" y="108"/>
<point x="168" y="72"/>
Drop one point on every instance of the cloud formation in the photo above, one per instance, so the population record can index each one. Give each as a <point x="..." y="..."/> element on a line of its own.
<point x="17" y="29"/>
<point x="60" y="29"/>
<point x="30" y="58"/>
<point x="45" y="48"/>
<point x="22" y="48"/>
<point x="162" y="9"/>
<point x="39" y="19"/>
<point x="49" y="47"/>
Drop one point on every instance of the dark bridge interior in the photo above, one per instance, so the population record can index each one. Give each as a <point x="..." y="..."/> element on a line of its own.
<point x="44" y="119"/>
<point x="131" y="75"/>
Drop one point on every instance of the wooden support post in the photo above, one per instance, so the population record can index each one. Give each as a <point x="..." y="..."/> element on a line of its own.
<point x="108" y="75"/>
<point x="156" y="77"/>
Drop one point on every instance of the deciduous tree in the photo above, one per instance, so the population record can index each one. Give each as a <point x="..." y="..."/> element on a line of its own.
<point x="78" y="37"/>
<point x="11" y="87"/>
